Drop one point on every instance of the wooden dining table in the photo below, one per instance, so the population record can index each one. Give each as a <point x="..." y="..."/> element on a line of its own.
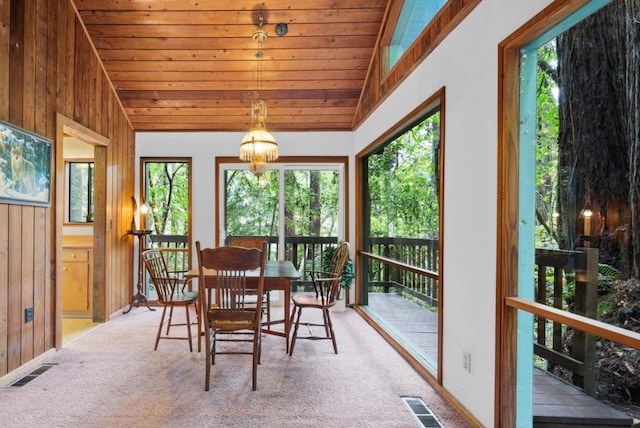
<point x="278" y="275"/>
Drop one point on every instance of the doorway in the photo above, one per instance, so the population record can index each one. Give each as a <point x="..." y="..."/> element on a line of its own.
<point x="80" y="181"/>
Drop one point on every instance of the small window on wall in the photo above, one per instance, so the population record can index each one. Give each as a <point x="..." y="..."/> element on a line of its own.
<point x="79" y="192"/>
<point x="411" y="20"/>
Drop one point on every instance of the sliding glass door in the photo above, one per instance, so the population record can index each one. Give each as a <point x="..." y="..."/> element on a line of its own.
<point x="300" y="207"/>
<point x="166" y="195"/>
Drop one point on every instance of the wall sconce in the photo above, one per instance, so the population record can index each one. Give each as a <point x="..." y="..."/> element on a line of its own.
<point x="144" y="209"/>
<point x="586" y="215"/>
<point x="134" y="213"/>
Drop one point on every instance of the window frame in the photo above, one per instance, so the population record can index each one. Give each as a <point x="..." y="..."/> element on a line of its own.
<point x="435" y="101"/>
<point x="91" y="190"/>
<point x="514" y="311"/>
<point x="283" y="163"/>
<point x="436" y="30"/>
<point x="144" y="186"/>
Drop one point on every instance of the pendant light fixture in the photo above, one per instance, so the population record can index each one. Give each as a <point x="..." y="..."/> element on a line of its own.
<point x="258" y="146"/>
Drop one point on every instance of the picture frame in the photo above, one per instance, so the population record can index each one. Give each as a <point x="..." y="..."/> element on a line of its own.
<point x="25" y="166"/>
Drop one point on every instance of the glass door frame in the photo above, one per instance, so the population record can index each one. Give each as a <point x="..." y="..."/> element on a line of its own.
<point x="143" y="197"/>
<point x="328" y="163"/>
<point x="515" y="250"/>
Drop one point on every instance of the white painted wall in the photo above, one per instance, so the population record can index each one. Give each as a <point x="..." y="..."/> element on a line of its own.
<point x="203" y="147"/>
<point x="466" y="64"/>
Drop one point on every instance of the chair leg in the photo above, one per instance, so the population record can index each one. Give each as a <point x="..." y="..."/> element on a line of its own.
<point x="268" y="308"/>
<point x="164" y="310"/>
<point x="207" y="358"/>
<point x="291" y="320"/>
<point x="260" y="346"/>
<point x="256" y="357"/>
<point x="199" y="321"/>
<point x="170" y="318"/>
<point x="325" y="315"/>
<point x="295" y="330"/>
<point x="329" y="324"/>
<point x="186" y="309"/>
<point x="213" y="346"/>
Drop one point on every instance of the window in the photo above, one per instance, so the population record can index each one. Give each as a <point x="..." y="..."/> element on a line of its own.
<point x="567" y="200"/>
<point x="412" y="19"/>
<point x="402" y="188"/>
<point x="79" y="192"/>
<point x="166" y="190"/>
<point x="299" y="206"/>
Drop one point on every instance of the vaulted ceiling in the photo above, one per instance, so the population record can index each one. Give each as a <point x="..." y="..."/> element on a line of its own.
<point x="190" y="65"/>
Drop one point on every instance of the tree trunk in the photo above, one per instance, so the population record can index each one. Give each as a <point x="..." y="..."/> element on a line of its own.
<point x="598" y="138"/>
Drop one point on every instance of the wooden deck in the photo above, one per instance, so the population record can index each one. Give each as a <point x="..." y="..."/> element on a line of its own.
<point x="559" y="404"/>
<point x="415" y="326"/>
<point x="555" y="402"/>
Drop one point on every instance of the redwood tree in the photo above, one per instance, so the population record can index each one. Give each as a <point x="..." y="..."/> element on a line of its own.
<point x="599" y="132"/>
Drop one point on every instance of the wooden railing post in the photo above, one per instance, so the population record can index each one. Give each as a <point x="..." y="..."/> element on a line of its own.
<point x="586" y="304"/>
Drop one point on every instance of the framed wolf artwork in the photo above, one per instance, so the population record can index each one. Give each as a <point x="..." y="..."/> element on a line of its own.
<point x="25" y="166"/>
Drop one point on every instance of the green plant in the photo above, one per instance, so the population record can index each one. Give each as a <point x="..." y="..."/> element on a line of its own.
<point x="347" y="272"/>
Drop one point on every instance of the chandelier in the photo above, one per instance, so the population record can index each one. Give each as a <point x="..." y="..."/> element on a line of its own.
<point x="258" y="146"/>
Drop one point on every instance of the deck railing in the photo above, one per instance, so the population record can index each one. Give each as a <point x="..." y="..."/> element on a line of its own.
<point x="416" y="252"/>
<point x="306" y="253"/>
<point x="557" y="272"/>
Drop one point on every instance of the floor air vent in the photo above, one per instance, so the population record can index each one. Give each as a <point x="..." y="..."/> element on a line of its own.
<point x="421" y="412"/>
<point x="34" y="374"/>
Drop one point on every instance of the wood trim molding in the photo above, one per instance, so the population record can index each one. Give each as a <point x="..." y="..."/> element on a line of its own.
<point x="377" y="88"/>
<point x="418" y="367"/>
<point x="507" y="212"/>
<point x="588" y="325"/>
<point x="344" y="160"/>
<point x="68" y="127"/>
<point x="188" y="160"/>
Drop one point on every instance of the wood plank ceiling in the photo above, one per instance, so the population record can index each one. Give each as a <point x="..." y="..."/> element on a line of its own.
<point x="190" y="65"/>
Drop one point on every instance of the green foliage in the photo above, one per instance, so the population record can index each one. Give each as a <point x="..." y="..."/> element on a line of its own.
<point x="251" y="204"/>
<point x="403" y="181"/>
<point x="607" y="272"/>
<point x="547" y="120"/>
<point x="310" y="198"/>
<point x="347" y="272"/>
<point x="167" y="194"/>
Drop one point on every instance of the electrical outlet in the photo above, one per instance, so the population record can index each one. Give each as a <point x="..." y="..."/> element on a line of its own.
<point x="28" y="314"/>
<point x="466" y="361"/>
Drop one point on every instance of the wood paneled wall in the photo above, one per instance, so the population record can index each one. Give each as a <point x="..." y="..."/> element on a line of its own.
<point x="48" y="66"/>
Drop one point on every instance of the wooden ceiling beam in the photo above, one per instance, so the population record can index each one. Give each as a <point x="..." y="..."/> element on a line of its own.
<point x="325" y="94"/>
<point x="223" y="5"/>
<point x="238" y="85"/>
<point x="236" y="111"/>
<point x="234" y="77"/>
<point x="232" y="104"/>
<point x="291" y="17"/>
<point x="234" y="66"/>
<point x="135" y="53"/>
<point x="232" y="31"/>
<point x="244" y="43"/>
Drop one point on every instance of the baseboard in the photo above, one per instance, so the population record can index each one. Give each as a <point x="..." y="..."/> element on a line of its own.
<point x="26" y="368"/>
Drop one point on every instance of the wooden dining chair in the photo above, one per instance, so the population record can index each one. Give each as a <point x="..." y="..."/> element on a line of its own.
<point x="326" y="285"/>
<point x="171" y="294"/>
<point x="225" y="312"/>
<point x="254" y="242"/>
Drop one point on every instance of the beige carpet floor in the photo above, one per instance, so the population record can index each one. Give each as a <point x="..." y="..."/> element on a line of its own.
<point x="112" y="377"/>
